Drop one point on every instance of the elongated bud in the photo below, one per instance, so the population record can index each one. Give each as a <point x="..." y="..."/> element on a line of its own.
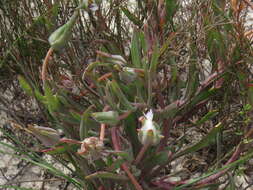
<point x="48" y="136"/>
<point x="60" y="37"/>
<point x="109" y="117"/>
<point x="116" y="59"/>
<point x="128" y="75"/>
<point x="149" y="133"/>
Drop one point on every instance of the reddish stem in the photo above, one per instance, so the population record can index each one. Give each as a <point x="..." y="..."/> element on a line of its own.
<point x="101" y="188"/>
<point x="117" y="147"/>
<point x="103" y="126"/>
<point x="141" y="153"/>
<point x="45" y="64"/>
<point x="166" y="126"/>
<point x="124" y="115"/>
<point x="102" y="132"/>
<point x="72" y="141"/>
<point x="103" y="77"/>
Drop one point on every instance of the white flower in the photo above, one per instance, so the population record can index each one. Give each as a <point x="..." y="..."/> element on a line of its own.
<point x="149" y="132"/>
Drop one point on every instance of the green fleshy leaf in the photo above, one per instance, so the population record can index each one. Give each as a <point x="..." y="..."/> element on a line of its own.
<point x="207" y="117"/>
<point x="84" y="127"/>
<point x="131" y="16"/>
<point x="25" y="85"/>
<point x="125" y="155"/>
<point x="52" y="101"/>
<point x="192" y="81"/>
<point x="154" y="160"/>
<point x="130" y="127"/>
<point x="109" y="117"/>
<point x="204" y="142"/>
<point x="115" y="89"/>
<point x="171" y="8"/>
<point x="135" y="50"/>
<point x="62" y="149"/>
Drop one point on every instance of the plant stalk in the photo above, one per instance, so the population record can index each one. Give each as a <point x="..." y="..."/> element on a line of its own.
<point x="116" y="145"/>
<point x="45" y="64"/>
<point x="141" y="153"/>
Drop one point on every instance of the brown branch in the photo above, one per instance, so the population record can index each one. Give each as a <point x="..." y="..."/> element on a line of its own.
<point x="117" y="147"/>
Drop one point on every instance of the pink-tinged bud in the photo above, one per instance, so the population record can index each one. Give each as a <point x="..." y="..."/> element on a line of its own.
<point x="48" y="136"/>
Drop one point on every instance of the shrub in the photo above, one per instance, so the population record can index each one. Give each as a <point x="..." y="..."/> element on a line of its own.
<point x="158" y="72"/>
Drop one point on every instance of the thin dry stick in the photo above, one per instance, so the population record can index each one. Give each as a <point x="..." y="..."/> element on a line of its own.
<point x="116" y="146"/>
<point x="141" y="153"/>
<point x="44" y="66"/>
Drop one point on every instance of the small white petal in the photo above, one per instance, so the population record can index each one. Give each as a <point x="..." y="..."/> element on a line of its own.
<point x="149" y="115"/>
<point x="93" y="7"/>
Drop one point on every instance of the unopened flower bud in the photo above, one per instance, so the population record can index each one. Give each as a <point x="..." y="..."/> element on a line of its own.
<point x="48" y="136"/>
<point x="128" y="74"/>
<point x="109" y="117"/>
<point x="118" y="59"/>
<point x="60" y="37"/>
<point x="149" y="132"/>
